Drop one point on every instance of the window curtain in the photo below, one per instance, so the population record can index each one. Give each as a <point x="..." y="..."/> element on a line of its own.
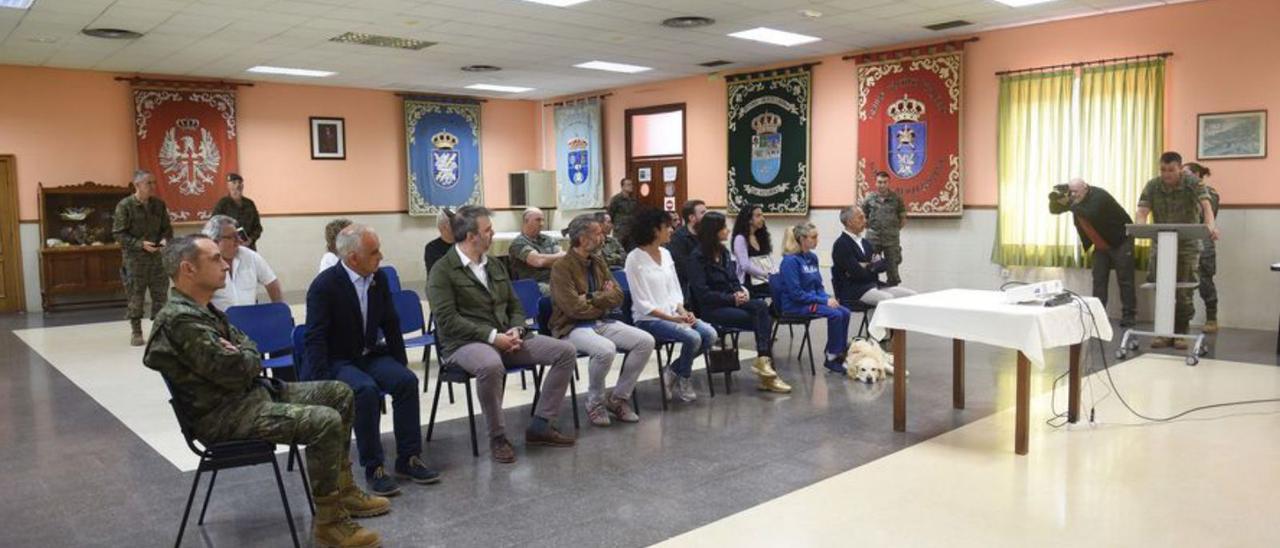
<point x="1033" y="153"/>
<point x="1104" y="124"/>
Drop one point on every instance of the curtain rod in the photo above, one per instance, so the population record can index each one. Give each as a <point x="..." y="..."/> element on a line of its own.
<point x="1161" y="55"/>
<point x="576" y="99"/>
<point x="158" y="82"/>
<point x="864" y="55"/>
<point x="781" y="70"/>
<point x="440" y="96"/>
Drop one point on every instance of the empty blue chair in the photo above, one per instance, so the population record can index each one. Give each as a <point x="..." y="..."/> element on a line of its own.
<point x="270" y="326"/>
<point x="528" y="293"/>
<point x="393" y="278"/>
<point x="409" y="309"/>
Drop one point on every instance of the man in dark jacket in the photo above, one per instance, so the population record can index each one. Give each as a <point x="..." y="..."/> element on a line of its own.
<point x="353" y="335"/>
<point x="1100" y="223"/>
<point x="685" y="240"/>
<point x="857" y="265"/>
<point x="481" y="328"/>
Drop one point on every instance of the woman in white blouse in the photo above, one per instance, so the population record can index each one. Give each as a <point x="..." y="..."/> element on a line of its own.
<point x="657" y="301"/>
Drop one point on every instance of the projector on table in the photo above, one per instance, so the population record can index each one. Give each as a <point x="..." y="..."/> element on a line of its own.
<point x="1047" y="293"/>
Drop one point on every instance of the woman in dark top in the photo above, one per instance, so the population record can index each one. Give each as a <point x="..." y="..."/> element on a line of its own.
<point x="722" y="300"/>
<point x="751" y="251"/>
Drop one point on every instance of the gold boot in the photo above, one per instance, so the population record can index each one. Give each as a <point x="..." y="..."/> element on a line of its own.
<point x="334" y="528"/>
<point x="763" y="367"/>
<point x="355" y="501"/>
<point x="774" y="384"/>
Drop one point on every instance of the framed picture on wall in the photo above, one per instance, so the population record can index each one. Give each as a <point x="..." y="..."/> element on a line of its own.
<point x="1231" y="135"/>
<point x="328" y="138"/>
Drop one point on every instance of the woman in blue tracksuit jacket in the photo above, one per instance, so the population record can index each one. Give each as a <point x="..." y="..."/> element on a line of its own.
<point x="800" y="292"/>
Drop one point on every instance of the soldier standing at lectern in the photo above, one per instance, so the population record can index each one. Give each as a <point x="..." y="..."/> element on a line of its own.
<point x="141" y="226"/>
<point x="1178" y="197"/>
<point x="886" y="215"/>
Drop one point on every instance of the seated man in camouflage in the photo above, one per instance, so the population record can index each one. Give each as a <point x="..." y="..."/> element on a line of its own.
<point x="213" y="372"/>
<point x="532" y="252"/>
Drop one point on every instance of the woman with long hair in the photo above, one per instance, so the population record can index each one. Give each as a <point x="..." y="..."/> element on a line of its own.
<point x="657" y="300"/>
<point x="751" y="251"/>
<point x="801" y="292"/>
<point x="713" y="281"/>
<point x="1208" y="266"/>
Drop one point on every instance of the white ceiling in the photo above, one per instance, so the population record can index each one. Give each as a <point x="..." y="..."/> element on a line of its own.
<point x="537" y="45"/>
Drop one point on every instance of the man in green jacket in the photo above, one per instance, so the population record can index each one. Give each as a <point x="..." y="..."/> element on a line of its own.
<point x="141" y="227"/>
<point x="480" y="328"/>
<point x="213" y="369"/>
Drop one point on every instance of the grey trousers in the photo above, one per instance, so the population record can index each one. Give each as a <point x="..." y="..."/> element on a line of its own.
<point x="489" y="366"/>
<point x="876" y="296"/>
<point x="602" y="342"/>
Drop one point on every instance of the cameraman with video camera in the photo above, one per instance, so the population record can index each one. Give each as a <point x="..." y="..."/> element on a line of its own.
<point x="1100" y="223"/>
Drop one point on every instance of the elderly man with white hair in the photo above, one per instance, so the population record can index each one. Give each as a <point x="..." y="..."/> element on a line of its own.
<point x="1100" y="224"/>
<point x="248" y="269"/>
<point x="532" y="252"/>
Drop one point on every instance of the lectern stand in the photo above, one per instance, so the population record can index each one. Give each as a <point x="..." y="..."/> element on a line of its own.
<point x="1166" y="237"/>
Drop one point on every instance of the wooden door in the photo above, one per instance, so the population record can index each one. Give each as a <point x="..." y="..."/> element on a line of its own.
<point x="11" y="297"/>
<point x="659" y="173"/>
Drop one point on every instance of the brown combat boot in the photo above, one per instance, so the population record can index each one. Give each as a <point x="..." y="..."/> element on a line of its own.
<point x="1210" y="326"/>
<point x="1161" y="342"/>
<point x="355" y="501"/>
<point x="334" y="528"/>
<point x="135" y="337"/>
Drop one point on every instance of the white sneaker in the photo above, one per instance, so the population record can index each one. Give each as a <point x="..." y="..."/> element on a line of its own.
<point x="669" y="382"/>
<point x="685" y="387"/>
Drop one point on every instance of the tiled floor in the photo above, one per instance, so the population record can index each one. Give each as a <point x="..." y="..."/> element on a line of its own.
<point x="74" y="473"/>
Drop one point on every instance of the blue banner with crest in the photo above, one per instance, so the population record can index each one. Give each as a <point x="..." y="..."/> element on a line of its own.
<point x="443" y="141"/>
<point x="579" y="158"/>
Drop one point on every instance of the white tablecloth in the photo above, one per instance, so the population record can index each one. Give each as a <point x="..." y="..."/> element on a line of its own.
<point x="982" y="316"/>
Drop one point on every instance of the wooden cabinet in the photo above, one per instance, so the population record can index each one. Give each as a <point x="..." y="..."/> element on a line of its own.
<point x="79" y="259"/>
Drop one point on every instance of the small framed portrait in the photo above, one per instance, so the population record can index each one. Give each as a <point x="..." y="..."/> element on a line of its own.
<point x="644" y="174"/>
<point x="1231" y="135"/>
<point x="328" y="138"/>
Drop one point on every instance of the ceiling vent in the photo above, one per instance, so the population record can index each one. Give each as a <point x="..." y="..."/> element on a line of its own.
<point x="381" y="41"/>
<point x="716" y="63"/>
<point x="112" y="34"/>
<point x="689" y="22"/>
<point x="948" y="24"/>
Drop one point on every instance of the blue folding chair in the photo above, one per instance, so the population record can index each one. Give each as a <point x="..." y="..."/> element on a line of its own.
<point x="393" y="278"/>
<point x="269" y="325"/>
<point x="409" y="309"/>
<point x="528" y="293"/>
<point x="791" y="320"/>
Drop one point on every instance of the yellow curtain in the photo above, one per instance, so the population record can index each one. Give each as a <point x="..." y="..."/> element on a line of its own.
<point x="1104" y="124"/>
<point x="1033" y="153"/>
<point x="1122" y="131"/>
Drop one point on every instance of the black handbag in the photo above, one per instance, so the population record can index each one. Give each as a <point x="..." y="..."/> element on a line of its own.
<point x="723" y="360"/>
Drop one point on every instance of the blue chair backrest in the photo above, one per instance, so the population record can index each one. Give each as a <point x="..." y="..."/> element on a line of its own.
<point x="528" y="293"/>
<point x="300" y="352"/>
<point x="621" y="277"/>
<point x="409" y="308"/>
<point x="544" y="315"/>
<point x="393" y="278"/>
<point x="268" y="324"/>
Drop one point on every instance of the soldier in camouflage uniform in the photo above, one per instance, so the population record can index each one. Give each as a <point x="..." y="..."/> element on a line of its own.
<point x="622" y="206"/>
<point x="1176" y="197"/>
<point x="1208" y="255"/>
<point x="886" y="215"/>
<point x="141" y="226"/>
<point x="213" y="370"/>
<point x="611" y="251"/>
<point x="532" y="252"/>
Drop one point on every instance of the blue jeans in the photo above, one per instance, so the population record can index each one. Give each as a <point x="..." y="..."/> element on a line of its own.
<point x="693" y="340"/>
<point x="368" y="378"/>
<point x="752" y="316"/>
<point x="837" y="325"/>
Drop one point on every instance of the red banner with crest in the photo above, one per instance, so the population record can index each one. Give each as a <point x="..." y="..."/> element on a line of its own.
<point x="187" y="140"/>
<point x="909" y="126"/>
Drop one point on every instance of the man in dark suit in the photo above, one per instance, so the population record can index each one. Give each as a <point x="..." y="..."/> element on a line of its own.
<point x="856" y="268"/>
<point x="353" y="335"/>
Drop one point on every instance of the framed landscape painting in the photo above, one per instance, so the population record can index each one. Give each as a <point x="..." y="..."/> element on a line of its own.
<point x="1231" y="135"/>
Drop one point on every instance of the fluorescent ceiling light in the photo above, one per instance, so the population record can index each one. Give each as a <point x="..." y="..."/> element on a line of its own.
<point x="1021" y="3"/>
<point x="775" y="36"/>
<point x="503" y="89"/>
<point x="263" y="69"/>
<point x="557" y="3"/>
<point x="612" y="67"/>
<point x="16" y="4"/>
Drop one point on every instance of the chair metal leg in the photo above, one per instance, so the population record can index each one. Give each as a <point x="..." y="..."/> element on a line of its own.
<point x="808" y="342"/>
<point x="207" y="494"/>
<point x="191" y="497"/>
<point x="426" y="367"/>
<point x="471" y="418"/>
<point x="662" y="385"/>
<point x="573" y="399"/>
<point x="306" y="482"/>
<point x="435" y="404"/>
<point x="711" y="385"/>
<point x="288" y="514"/>
<point x="537" y="387"/>
<point x="524" y="385"/>
<point x="289" y="466"/>
<point x="450" y="393"/>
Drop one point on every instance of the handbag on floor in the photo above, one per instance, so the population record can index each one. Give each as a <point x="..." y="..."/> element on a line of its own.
<point x="723" y="360"/>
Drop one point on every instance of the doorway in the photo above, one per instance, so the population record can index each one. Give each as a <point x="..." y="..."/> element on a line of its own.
<point x="656" y="155"/>
<point x="11" y="290"/>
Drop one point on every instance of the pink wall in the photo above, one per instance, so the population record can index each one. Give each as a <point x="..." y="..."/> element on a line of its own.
<point x="67" y="126"/>
<point x="1223" y="60"/>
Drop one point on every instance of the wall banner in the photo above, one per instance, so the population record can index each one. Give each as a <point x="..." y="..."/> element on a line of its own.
<point x="187" y="140"/>
<point x="769" y="140"/>
<point x="579" y="156"/>
<point x="443" y="141"/>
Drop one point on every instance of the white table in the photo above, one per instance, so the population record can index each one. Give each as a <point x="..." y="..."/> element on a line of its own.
<point x="982" y="316"/>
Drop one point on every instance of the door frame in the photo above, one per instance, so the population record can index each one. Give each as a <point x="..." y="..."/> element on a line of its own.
<point x="682" y="192"/>
<point x="10" y="199"/>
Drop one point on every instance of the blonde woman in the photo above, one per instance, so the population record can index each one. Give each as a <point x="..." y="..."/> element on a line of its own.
<point x="800" y="292"/>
